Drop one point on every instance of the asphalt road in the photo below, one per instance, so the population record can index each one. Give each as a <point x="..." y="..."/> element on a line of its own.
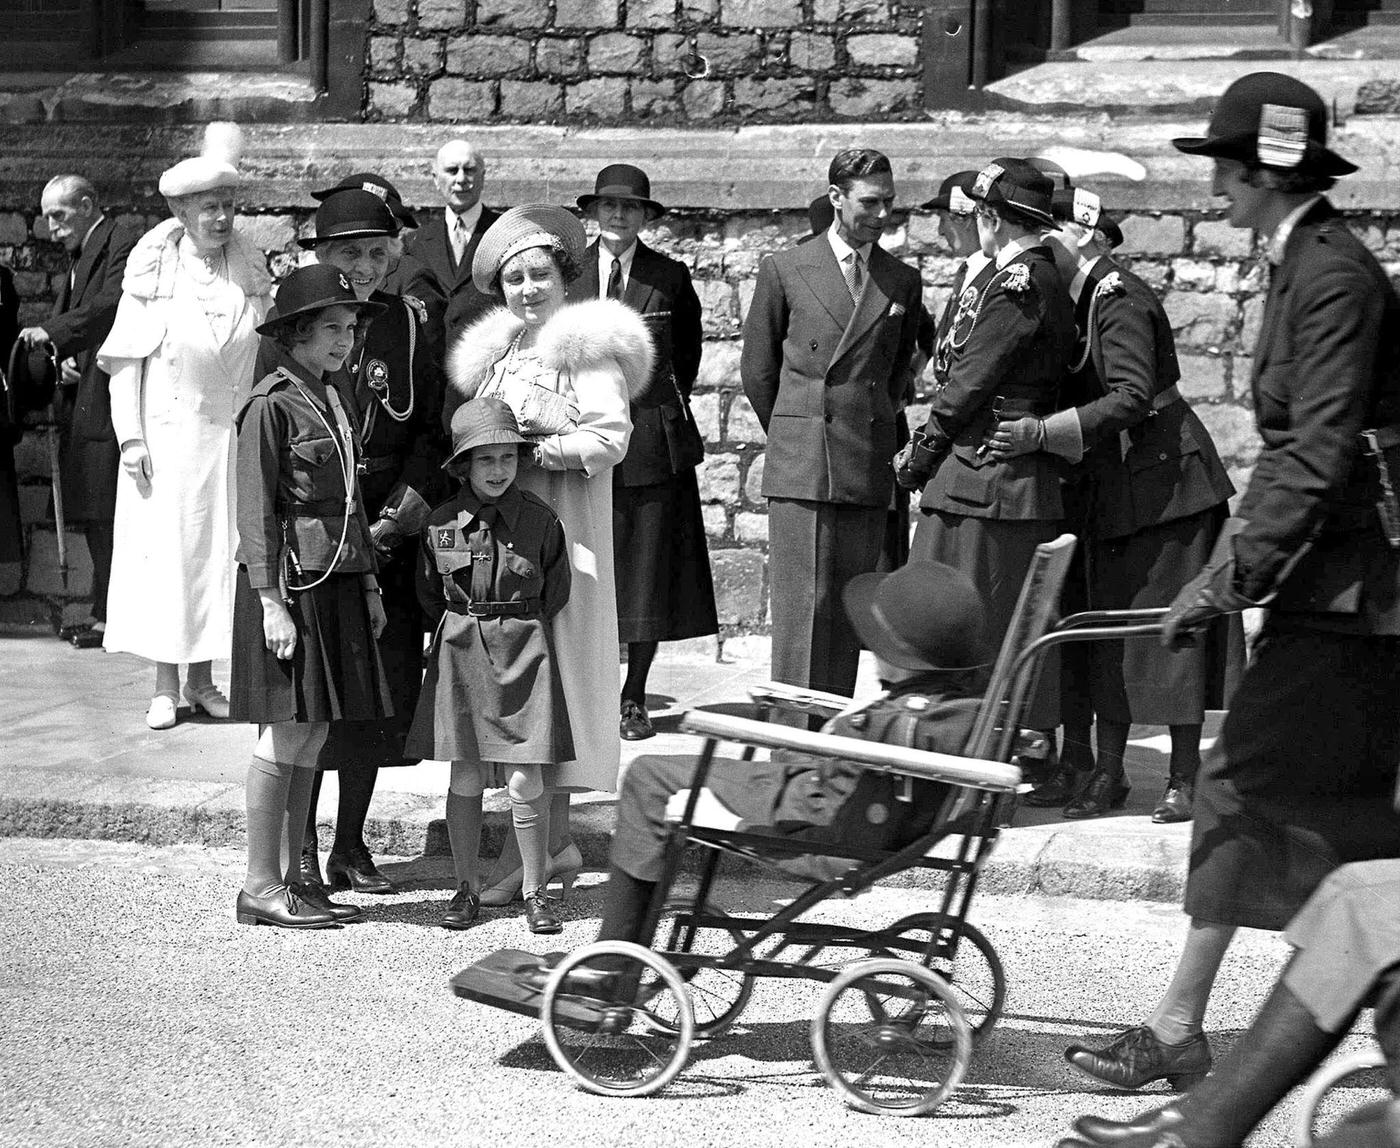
<point x="133" y="1010"/>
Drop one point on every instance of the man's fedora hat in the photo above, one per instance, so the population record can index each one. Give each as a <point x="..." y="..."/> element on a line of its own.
<point x="1015" y="186"/>
<point x="821" y="213"/>
<point x="486" y="421"/>
<point x="623" y="181"/>
<point x="351" y="214"/>
<point x="1082" y="206"/>
<point x="32" y="376"/>
<point x="923" y="616"/>
<point x="953" y="194"/>
<point x="375" y="185"/>
<point x="313" y="288"/>
<point x="1267" y="119"/>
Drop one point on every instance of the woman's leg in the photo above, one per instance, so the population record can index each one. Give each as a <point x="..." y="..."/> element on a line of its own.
<point x="269" y="784"/>
<point x="199" y="675"/>
<point x="1175" y="804"/>
<point x="168" y="679"/>
<point x="1106" y="787"/>
<point x="529" y="814"/>
<point x="640" y="656"/>
<point x="356" y="792"/>
<point x="299" y="799"/>
<point x="464" y="822"/>
<point x="507" y="865"/>
<point x="1181" y="1012"/>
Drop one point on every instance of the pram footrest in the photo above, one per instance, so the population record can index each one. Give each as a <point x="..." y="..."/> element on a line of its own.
<point x="493" y="981"/>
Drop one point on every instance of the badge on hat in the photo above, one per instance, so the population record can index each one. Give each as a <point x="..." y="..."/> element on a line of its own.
<point x="1086" y="207"/>
<point x="985" y="178"/>
<point x="1283" y="135"/>
<point x="377" y="374"/>
<point x="959" y="203"/>
<point x="376" y="189"/>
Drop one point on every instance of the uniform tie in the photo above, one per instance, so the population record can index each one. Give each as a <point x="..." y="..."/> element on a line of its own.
<point x="615" y="279"/>
<point x="483" y="547"/>
<point x="855" y="277"/>
<point x="459" y="238"/>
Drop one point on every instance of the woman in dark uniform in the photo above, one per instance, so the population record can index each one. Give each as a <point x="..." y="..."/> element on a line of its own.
<point x="664" y="588"/>
<point x="398" y="403"/>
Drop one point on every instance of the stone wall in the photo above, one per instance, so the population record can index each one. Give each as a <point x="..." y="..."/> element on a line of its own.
<point x="643" y="61"/>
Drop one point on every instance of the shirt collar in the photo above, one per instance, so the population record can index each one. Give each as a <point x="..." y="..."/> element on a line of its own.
<point x="508" y="505"/>
<point x="843" y="250"/>
<point x="96" y="223"/>
<point x="605" y="262"/>
<point x="1016" y="247"/>
<point x="1081" y="277"/>
<point x="974" y="264"/>
<point x="1279" y="240"/>
<point x="470" y="217"/>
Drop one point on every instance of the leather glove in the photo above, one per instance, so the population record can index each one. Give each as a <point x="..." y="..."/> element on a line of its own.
<point x="1209" y="594"/>
<point x="916" y="461"/>
<point x="1014" y="437"/>
<point x="386" y="534"/>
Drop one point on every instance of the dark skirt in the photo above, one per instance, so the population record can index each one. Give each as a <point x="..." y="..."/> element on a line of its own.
<point x="376" y="744"/>
<point x="662" y="564"/>
<point x="334" y="674"/>
<point x="1302" y="778"/>
<point x="1140" y="680"/>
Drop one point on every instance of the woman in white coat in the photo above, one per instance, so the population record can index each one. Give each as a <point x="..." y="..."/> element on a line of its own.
<point x="181" y="355"/>
<point x="568" y="371"/>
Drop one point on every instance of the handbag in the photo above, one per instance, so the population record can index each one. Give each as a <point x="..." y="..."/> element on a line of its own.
<point x="539" y="410"/>
<point x="683" y="439"/>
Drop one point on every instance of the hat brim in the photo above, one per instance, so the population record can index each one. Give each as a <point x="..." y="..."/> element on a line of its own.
<point x="875" y="633"/>
<point x="352" y="231"/>
<point x="1318" y="160"/>
<point x="654" y="209"/>
<point x="495" y="436"/>
<point x="35" y="388"/>
<point x="273" y="324"/>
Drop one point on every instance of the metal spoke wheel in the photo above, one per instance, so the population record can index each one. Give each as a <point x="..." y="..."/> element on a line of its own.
<point x="890" y="1036"/>
<point x="617" y="1018"/>
<point x="1329" y="1095"/>
<point x="717" y="996"/>
<point x="974" y="974"/>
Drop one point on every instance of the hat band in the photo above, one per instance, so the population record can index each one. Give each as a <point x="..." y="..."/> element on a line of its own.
<point x="1283" y="135"/>
<point x="352" y="227"/>
<point x="1086" y="208"/>
<point x="897" y="642"/>
<point x="960" y="203"/>
<point x="525" y="242"/>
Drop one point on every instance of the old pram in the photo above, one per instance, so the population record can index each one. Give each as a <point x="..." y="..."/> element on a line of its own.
<point x="904" y="1004"/>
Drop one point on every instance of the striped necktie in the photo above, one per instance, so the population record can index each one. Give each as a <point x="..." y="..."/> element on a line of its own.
<point x="855" y="277"/>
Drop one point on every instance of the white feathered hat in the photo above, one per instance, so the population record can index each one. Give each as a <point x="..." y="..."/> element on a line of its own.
<point x="215" y="166"/>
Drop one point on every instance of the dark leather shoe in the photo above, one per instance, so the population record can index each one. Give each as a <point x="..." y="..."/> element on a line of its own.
<point x="1102" y="792"/>
<point x="1100" y="1131"/>
<point x="463" y="909"/>
<point x="589" y="981"/>
<point x="316" y="897"/>
<point x="68" y="633"/>
<point x="1175" y="805"/>
<point x="635" y="725"/>
<point x="356" y="871"/>
<point x="1064" y="783"/>
<point x="1136" y="1057"/>
<point x="311" y="865"/>
<point x="539" y="916"/>
<point x="88" y="639"/>
<point x="282" y="908"/>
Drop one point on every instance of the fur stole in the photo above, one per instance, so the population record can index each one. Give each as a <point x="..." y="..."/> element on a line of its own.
<point x="580" y="336"/>
<point x="154" y="261"/>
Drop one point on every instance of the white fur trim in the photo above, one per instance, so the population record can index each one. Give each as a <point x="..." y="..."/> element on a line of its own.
<point x="151" y="266"/>
<point x="477" y="350"/>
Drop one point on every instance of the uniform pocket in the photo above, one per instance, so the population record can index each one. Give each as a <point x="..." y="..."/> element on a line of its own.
<point x="315" y="452"/>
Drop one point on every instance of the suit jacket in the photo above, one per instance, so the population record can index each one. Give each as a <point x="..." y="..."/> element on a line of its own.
<point x="826" y="376"/>
<point x="1148" y="458"/>
<point x="1326" y="366"/>
<point x="659" y="287"/>
<point x="426" y="271"/>
<point x="1011" y="349"/>
<point x="82" y="316"/>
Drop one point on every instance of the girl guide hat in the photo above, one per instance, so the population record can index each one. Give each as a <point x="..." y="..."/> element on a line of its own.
<point x="1267" y="119"/>
<point x="313" y="288"/>
<point x="520" y="228"/>
<point x="486" y="421"/>
<point x="1016" y="186"/>
<point x="623" y="181"/>
<point x="923" y="616"/>
<point x="1082" y="206"/>
<point x="215" y="166"/>
<point x="375" y="185"/>
<point x="953" y="194"/>
<point x="351" y="214"/>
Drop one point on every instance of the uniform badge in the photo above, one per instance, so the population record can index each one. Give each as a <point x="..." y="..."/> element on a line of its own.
<point x="1110" y="284"/>
<point x="1086" y="208"/>
<point x="1283" y="135"/>
<point x="377" y="374"/>
<point x="418" y="307"/>
<point x="1018" y="278"/>
<point x="446" y="538"/>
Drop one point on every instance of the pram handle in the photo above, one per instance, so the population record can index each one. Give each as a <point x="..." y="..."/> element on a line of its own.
<point x="993" y="776"/>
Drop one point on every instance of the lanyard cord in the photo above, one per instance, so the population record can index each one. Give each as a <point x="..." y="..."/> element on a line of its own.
<point x="381" y="390"/>
<point x="347" y="471"/>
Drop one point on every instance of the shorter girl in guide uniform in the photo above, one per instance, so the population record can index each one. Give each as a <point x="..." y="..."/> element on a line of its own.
<point x="494" y="571"/>
<point x="306" y="603"/>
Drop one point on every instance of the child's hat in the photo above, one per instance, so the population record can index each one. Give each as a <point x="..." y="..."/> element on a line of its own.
<point x="313" y="288"/>
<point x="923" y="616"/>
<point x="482" y="422"/>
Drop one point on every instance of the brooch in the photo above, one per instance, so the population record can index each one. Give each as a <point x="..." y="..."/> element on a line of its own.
<point x="377" y="374"/>
<point x="1018" y="278"/>
<point x="418" y="307"/>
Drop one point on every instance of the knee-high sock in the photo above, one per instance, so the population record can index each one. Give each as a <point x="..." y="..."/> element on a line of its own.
<point x="356" y="792"/>
<point x="625" y="907"/>
<point x="531" y="821"/>
<point x="294" y="824"/>
<point x="464" y="835"/>
<point x="266" y="796"/>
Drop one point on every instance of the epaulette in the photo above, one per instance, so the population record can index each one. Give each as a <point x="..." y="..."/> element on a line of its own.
<point x="418" y="307"/>
<point x="1110" y="284"/>
<point x="269" y="382"/>
<point x="1017" y="278"/>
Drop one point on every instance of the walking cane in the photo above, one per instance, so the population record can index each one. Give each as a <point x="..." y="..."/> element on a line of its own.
<point x="56" y="477"/>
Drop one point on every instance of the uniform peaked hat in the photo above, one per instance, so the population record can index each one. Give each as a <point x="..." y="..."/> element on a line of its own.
<point x="923" y="616"/>
<point x="954" y="194"/>
<point x="1082" y="206"/>
<point x="375" y="185"/>
<point x="487" y="421"/>
<point x="623" y="181"/>
<point x="520" y="228"/>
<point x="352" y="214"/>
<point x="1017" y="186"/>
<point x="313" y="288"/>
<point x="1267" y="119"/>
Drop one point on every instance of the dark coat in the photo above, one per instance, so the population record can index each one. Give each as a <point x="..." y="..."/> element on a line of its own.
<point x="1014" y="347"/>
<point x="661" y="287"/>
<point x="1326" y="366"/>
<point x="428" y="273"/>
<point x="11" y="531"/>
<point x="826" y="377"/>
<point x="1149" y="459"/>
<point x="81" y="318"/>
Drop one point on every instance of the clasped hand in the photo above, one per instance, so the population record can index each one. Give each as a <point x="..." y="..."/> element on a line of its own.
<point x="1014" y="437"/>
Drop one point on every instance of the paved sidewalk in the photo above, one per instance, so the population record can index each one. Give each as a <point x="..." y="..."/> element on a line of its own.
<point x="77" y="761"/>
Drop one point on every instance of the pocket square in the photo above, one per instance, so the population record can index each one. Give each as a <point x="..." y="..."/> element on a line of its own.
<point x="896" y="310"/>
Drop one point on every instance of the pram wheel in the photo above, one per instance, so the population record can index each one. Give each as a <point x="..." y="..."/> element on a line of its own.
<point x="890" y="1036"/>
<point x="1318" y="1112"/>
<point x="639" y="1027"/>
<point x="717" y="996"/>
<point x="974" y="972"/>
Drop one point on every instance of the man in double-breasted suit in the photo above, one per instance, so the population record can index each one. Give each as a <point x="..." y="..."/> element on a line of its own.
<point x="437" y="260"/>
<point x="81" y="318"/>
<point x="828" y="350"/>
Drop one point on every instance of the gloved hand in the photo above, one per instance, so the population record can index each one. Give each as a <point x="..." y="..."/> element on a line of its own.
<point x="916" y="461"/>
<point x="136" y="463"/>
<point x="386" y="534"/>
<point x="1014" y="437"/>
<point x="1210" y="593"/>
